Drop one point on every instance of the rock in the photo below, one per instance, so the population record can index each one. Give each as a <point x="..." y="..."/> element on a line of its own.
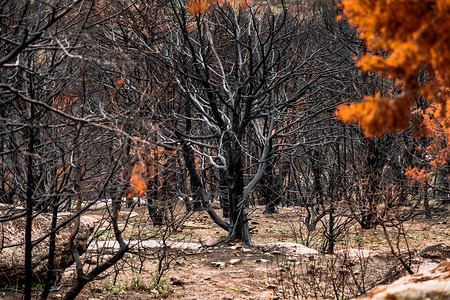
<point x="12" y="237"/>
<point x="426" y="260"/>
<point x="218" y="264"/>
<point x="439" y="251"/>
<point x="235" y="247"/>
<point x="207" y="241"/>
<point x="287" y="248"/>
<point x="433" y="285"/>
<point x="234" y="261"/>
<point x="177" y="281"/>
<point x="358" y="253"/>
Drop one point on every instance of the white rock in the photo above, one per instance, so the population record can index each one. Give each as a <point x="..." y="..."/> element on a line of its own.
<point x="434" y="284"/>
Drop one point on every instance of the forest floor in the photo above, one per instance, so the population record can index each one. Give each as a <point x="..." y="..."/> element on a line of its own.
<point x="277" y="266"/>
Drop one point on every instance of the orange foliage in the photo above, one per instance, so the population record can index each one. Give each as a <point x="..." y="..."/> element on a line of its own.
<point x="377" y="114"/>
<point x="436" y="127"/>
<point x="421" y="176"/>
<point x="118" y="85"/>
<point x="138" y="181"/>
<point x="147" y="168"/>
<point x="120" y="82"/>
<point x="199" y="7"/>
<point x="61" y="102"/>
<point x="416" y="36"/>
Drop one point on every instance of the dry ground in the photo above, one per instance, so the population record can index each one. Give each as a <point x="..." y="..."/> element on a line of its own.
<point x="264" y="271"/>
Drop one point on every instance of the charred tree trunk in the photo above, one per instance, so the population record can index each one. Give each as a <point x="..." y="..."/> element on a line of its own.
<point x="152" y="203"/>
<point x="270" y="191"/>
<point x="235" y="183"/>
<point x="188" y="155"/>
<point x="196" y="203"/>
<point x="51" y="276"/>
<point x="29" y="199"/>
<point x="373" y="170"/>
<point x="270" y="185"/>
<point x="426" y="204"/>
<point x="156" y="191"/>
<point x="223" y="194"/>
<point x="317" y="185"/>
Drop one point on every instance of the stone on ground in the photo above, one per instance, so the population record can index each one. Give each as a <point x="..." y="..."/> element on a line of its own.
<point x="12" y="237"/>
<point x="432" y="285"/>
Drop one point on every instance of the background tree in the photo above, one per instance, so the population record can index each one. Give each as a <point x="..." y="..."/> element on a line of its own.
<point x="240" y="69"/>
<point x="52" y="156"/>
<point x="405" y="43"/>
<point x="402" y="40"/>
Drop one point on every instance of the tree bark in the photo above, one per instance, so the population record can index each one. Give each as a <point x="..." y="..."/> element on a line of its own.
<point x="235" y="182"/>
<point x="50" y="280"/>
<point x="29" y="219"/>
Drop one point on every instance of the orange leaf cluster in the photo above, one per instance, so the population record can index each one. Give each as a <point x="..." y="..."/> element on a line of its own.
<point x="377" y="114"/>
<point x="146" y="168"/>
<point x="62" y="102"/>
<point x="436" y="124"/>
<point x="199" y="7"/>
<point x="138" y="181"/>
<point x="416" y="36"/>
<point x="418" y="175"/>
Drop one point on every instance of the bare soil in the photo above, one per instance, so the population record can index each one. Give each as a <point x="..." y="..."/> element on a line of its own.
<point x="263" y="271"/>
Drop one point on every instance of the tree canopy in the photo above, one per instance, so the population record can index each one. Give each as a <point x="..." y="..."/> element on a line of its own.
<point x="409" y="43"/>
<point x="404" y="39"/>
